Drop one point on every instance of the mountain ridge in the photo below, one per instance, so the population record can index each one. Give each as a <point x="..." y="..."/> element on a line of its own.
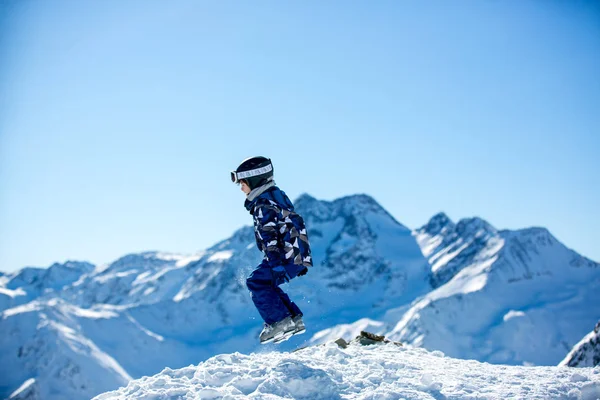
<point x="370" y="271"/>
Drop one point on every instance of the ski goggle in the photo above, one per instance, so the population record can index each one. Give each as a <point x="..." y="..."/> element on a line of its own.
<point x="236" y="177"/>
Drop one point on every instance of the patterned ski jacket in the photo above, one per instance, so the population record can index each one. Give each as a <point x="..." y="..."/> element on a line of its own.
<point x="280" y="232"/>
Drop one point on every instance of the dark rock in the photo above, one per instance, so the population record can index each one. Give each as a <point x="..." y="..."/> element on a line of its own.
<point x="368" y="338"/>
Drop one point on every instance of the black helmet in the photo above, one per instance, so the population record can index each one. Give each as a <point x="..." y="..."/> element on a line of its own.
<point x="255" y="170"/>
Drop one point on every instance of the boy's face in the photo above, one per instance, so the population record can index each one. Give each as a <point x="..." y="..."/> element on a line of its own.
<point x="245" y="188"/>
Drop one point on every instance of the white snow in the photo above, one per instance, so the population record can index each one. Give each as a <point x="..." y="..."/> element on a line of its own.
<point x="26" y="385"/>
<point x="100" y="268"/>
<point x="220" y="256"/>
<point x="182" y="262"/>
<point x="31" y="306"/>
<point x="427" y="243"/>
<point x="12" y="293"/>
<point x="442" y="258"/>
<point x="360" y="372"/>
<point x="513" y="314"/>
<point x="146" y="331"/>
<point x="167" y="256"/>
<point x="93" y="314"/>
<point x="105" y="278"/>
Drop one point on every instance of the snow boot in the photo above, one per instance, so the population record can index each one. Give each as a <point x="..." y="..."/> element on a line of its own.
<point x="300" y="328"/>
<point x="278" y="332"/>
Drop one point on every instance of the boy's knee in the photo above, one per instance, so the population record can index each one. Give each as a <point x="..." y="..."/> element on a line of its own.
<point x="259" y="279"/>
<point x="249" y="283"/>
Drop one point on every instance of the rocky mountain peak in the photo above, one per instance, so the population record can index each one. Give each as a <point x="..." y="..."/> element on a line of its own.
<point x="437" y="224"/>
<point x="475" y="227"/>
<point x="147" y="259"/>
<point x="80" y="266"/>
<point x="586" y="353"/>
<point x="354" y="206"/>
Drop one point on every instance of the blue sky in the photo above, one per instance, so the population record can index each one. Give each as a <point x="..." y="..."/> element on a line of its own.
<point x="120" y="120"/>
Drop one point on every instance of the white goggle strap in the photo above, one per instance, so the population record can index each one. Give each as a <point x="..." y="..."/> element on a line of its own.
<point x="253" y="172"/>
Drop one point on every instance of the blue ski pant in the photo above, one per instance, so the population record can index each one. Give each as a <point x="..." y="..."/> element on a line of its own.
<point x="272" y="303"/>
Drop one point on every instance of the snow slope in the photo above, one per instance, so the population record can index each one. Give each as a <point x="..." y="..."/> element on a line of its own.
<point x="53" y="349"/>
<point x="374" y="372"/>
<point x="514" y="297"/>
<point x="586" y="353"/>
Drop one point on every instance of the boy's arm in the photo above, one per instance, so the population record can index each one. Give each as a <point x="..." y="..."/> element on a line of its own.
<point x="266" y="228"/>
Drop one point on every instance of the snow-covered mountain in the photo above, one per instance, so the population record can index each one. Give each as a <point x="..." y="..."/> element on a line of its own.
<point x="30" y="283"/>
<point x="173" y="310"/>
<point x="586" y="353"/>
<point x="360" y="372"/>
<point x="515" y="297"/>
<point x="44" y="341"/>
<point x="483" y="294"/>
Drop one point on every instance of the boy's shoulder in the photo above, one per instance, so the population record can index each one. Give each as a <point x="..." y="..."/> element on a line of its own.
<point x="279" y="198"/>
<point x="273" y="200"/>
<point x="264" y="203"/>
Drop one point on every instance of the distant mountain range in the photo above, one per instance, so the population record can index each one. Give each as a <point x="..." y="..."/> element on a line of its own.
<point x="74" y="330"/>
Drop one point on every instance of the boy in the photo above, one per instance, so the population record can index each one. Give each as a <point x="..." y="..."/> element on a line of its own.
<point x="281" y="235"/>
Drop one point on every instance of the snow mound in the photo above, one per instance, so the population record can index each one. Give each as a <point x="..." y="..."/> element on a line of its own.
<point x="384" y="371"/>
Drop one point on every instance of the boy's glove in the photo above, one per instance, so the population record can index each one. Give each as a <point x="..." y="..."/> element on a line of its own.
<point x="303" y="272"/>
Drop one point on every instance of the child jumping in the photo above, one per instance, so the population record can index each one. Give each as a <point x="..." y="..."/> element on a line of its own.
<point x="281" y="235"/>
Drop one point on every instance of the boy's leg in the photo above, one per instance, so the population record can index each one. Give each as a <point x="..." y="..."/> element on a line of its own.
<point x="292" y="271"/>
<point x="265" y="295"/>
<point x="299" y="326"/>
<point x="291" y="306"/>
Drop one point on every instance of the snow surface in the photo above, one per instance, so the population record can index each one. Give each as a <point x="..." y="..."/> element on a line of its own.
<point x="375" y="372"/>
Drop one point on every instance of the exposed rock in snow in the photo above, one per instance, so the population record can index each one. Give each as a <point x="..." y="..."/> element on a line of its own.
<point x="586" y="353"/>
